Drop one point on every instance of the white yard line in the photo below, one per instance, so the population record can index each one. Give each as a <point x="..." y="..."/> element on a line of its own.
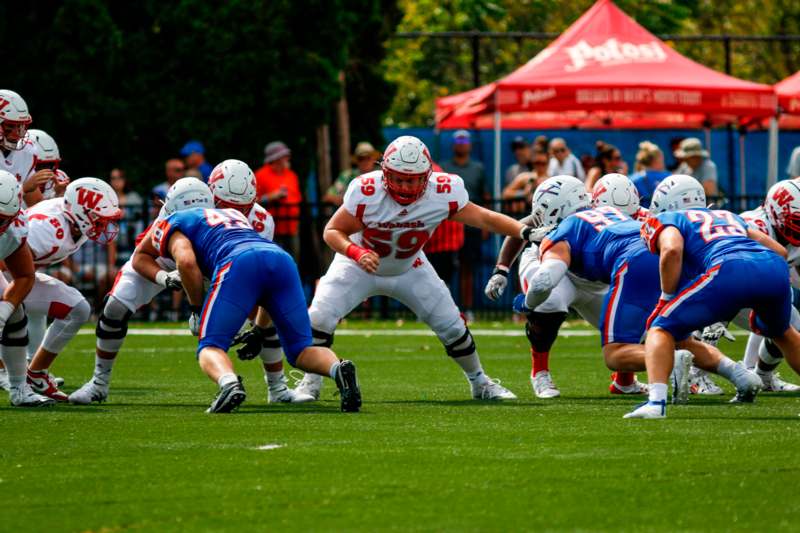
<point x="184" y="332"/>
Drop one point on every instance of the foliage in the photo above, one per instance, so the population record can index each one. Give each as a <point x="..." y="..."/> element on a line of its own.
<point x="427" y="68"/>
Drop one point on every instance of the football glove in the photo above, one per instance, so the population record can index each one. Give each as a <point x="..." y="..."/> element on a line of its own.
<point x="497" y="283"/>
<point x="535" y="235"/>
<point x="713" y="333"/>
<point x="519" y="304"/>
<point x="253" y="341"/>
<point x="173" y="281"/>
<point x="194" y="320"/>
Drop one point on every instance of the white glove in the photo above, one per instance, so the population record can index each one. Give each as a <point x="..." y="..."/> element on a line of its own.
<point x="169" y="280"/>
<point x="535" y="235"/>
<point x="194" y="323"/>
<point x="497" y="283"/>
<point x="6" y="310"/>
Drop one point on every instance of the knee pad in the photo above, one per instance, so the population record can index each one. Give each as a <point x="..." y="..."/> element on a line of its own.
<point x="62" y="330"/>
<point x="112" y="325"/>
<point x="769" y="352"/>
<point x="321" y="338"/>
<point x="542" y="329"/>
<point x="15" y="332"/>
<point x="465" y="345"/>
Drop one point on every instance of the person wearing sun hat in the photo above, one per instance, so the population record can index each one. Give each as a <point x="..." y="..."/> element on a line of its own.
<point x="696" y="163"/>
<point x="364" y="158"/>
<point x="279" y="187"/>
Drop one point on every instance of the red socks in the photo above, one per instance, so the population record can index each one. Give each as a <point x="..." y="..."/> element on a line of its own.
<point x="539" y="361"/>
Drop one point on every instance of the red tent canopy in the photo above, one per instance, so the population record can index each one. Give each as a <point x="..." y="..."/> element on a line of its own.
<point x="788" y="92"/>
<point x="608" y="71"/>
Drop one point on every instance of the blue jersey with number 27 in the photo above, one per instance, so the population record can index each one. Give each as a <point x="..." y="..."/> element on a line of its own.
<point x="707" y="236"/>
<point x="215" y="234"/>
<point x="596" y="238"/>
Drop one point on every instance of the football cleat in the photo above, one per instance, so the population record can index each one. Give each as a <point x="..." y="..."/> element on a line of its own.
<point x="43" y="383"/>
<point x="347" y="382"/>
<point x="281" y="393"/>
<point x="637" y="387"/>
<point x="679" y="378"/>
<point x="649" y="409"/>
<point x="772" y="382"/>
<point x="59" y="381"/>
<point x="4" y="383"/>
<point x="91" y="391"/>
<point x="490" y="389"/>
<point x="228" y="398"/>
<point x="23" y="396"/>
<point x="701" y="383"/>
<point x="543" y="386"/>
<point x="310" y="385"/>
<point x="748" y="384"/>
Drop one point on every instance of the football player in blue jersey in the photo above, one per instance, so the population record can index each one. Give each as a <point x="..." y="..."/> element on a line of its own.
<point x="604" y="245"/>
<point x="246" y="271"/>
<point x="711" y="265"/>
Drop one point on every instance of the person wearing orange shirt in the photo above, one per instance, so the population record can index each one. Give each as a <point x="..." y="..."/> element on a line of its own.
<point x="278" y="186"/>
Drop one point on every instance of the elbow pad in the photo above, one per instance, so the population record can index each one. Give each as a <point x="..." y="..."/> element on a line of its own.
<point x="547" y="276"/>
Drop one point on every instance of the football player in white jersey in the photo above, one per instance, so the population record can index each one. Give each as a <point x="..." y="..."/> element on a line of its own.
<point x="583" y="296"/>
<point x="57" y="229"/>
<point x="378" y="234"/>
<point x="48" y="158"/>
<point x="16" y="254"/>
<point x="18" y="154"/>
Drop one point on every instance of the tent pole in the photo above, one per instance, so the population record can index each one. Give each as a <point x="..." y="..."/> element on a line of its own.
<point x="772" y="153"/>
<point x="707" y="134"/>
<point x="497" y="190"/>
<point x="742" y="173"/>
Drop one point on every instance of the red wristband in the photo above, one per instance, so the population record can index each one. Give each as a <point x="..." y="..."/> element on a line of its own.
<point x="356" y="252"/>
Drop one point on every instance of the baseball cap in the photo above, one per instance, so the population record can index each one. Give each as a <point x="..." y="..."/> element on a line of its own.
<point x="518" y="142"/>
<point x="275" y="150"/>
<point x="364" y="149"/>
<point x="192" y="147"/>
<point x="462" y="137"/>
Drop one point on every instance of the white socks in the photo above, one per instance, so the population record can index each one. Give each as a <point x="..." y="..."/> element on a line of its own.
<point x="658" y="392"/>
<point x="726" y="368"/>
<point x="334" y="369"/>
<point x="102" y="369"/>
<point x="471" y="365"/>
<point x="227" y="379"/>
<point x="16" y="363"/>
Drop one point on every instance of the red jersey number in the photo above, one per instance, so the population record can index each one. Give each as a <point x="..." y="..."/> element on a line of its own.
<point x="408" y="243"/>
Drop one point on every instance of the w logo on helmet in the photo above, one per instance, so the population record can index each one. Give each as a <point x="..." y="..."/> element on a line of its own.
<point x="88" y="198"/>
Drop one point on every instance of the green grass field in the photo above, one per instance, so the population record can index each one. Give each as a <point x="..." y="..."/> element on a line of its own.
<point x="421" y="456"/>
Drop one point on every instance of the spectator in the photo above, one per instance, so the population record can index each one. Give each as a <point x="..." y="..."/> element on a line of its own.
<point x="697" y="164"/>
<point x="127" y="197"/>
<point x="563" y="162"/>
<point x="522" y="153"/>
<point x="194" y="156"/>
<point x="132" y="207"/>
<point x="607" y="160"/>
<point x="793" y="169"/>
<point x="364" y="159"/>
<point x="279" y="187"/>
<point x="649" y="171"/>
<point x="443" y="246"/>
<point x="475" y="182"/>
<point x="525" y="184"/>
<point x="174" y="169"/>
<point x="541" y="143"/>
<point x="674" y="144"/>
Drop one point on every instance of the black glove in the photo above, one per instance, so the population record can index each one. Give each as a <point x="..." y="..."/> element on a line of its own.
<point x="253" y="341"/>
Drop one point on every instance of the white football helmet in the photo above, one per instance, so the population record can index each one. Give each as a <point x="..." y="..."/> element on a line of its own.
<point x="783" y="210"/>
<point x="14" y="119"/>
<point x="406" y="166"/>
<point x="93" y="206"/>
<point x="677" y="192"/>
<point x="10" y="199"/>
<point x="233" y="185"/>
<point x="616" y="190"/>
<point x="185" y="194"/>
<point x="556" y="199"/>
<point x="46" y="147"/>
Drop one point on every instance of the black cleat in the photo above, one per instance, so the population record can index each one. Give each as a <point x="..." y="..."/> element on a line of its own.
<point x="229" y="398"/>
<point x="347" y="382"/>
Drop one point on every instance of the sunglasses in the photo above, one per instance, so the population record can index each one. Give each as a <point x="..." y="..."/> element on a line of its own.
<point x="540" y="162"/>
<point x="177" y="169"/>
<point x="559" y="150"/>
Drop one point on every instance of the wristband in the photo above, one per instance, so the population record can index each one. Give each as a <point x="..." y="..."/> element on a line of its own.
<point x="356" y="252"/>
<point x="161" y="278"/>
<point x="667" y="296"/>
<point x="500" y="269"/>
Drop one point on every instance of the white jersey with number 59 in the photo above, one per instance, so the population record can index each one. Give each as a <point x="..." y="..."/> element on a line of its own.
<point x="397" y="232"/>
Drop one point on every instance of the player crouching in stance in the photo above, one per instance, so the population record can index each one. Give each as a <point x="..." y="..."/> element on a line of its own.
<point x="57" y="228"/>
<point x="707" y="263"/>
<point x="19" y="263"/>
<point x="246" y="271"/>
<point x="378" y="234"/>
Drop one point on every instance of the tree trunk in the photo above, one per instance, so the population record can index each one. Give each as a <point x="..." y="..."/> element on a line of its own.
<point x="343" y="127"/>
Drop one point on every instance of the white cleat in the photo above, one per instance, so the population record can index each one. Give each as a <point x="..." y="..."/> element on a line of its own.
<point x="491" y="390"/>
<point x="4" y="383"/>
<point x="91" y="391"/>
<point x="772" y="382"/>
<point x="281" y="393"/>
<point x="748" y="384"/>
<point x="543" y="386"/>
<point x="679" y="378"/>
<point x="701" y="383"/>
<point x="23" y="396"/>
<point x="649" y="409"/>
<point x="310" y="385"/>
